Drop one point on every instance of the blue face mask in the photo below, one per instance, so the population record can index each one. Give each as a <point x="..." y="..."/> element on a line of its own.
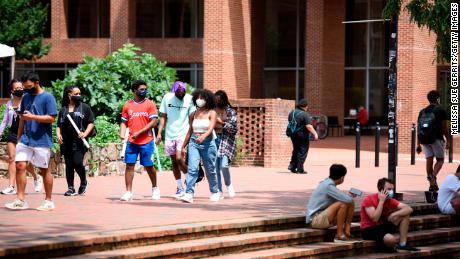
<point x="142" y="94"/>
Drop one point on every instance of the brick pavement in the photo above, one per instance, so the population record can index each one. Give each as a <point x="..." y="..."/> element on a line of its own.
<point x="260" y="192"/>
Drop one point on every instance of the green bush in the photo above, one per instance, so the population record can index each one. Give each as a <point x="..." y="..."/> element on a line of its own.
<point x="107" y="132"/>
<point x="105" y="82"/>
<point x="5" y="132"/>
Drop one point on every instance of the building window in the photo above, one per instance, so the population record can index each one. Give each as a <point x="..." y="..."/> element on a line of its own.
<point x="88" y="18"/>
<point x="168" y="19"/>
<point x="189" y="73"/>
<point x="366" y="58"/>
<point x="47" y="30"/>
<point x="284" y="49"/>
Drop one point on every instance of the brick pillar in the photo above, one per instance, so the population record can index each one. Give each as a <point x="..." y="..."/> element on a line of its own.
<point x="416" y="75"/>
<point x="119" y="22"/>
<point x="58" y="22"/>
<point x="325" y="57"/>
<point x="227" y="46"/>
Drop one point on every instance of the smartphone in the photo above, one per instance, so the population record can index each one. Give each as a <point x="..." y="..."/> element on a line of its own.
<point x="356" y="192"/>
<point x="20" y="112"/>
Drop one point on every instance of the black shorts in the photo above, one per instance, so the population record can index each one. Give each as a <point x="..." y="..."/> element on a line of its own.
<point x="377" y="233"/>
<point x="12" y="138"/>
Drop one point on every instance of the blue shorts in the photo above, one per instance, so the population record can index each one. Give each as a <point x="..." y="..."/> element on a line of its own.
<point x="145" y="152"/>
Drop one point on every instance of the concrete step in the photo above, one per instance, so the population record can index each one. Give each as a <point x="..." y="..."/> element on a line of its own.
<point x="268" y="240"/>
<point x="443" y="241"/>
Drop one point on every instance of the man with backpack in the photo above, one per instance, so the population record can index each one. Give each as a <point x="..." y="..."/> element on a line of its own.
<point x="431" y="130"/>
<point x="298" y="129"/>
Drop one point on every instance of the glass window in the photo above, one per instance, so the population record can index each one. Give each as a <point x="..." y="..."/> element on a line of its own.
<point x="356" y="44"/>
<point x="190" y="73"/>
<point x="148" y="18"/>
<point x="379" y="47"/>
<point x="355" y="89"/>
<point x="279" y="84"/>
<point x="378" y="92"/>
<point x="88" y="18"/>
<point x="376" y="8"/>
<point x="179" y="17"/>
<point x="356" y="10"/>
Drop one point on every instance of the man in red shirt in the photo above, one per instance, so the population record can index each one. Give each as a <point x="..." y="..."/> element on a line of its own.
<point x="363" y="116"/>
<point x="381" y="216"/>
<point x="139" y="115"/>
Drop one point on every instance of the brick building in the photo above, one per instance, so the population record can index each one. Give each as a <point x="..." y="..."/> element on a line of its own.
<point x="335" y="53"/>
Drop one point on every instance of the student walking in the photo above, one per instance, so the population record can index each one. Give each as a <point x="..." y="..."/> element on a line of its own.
<point x="11" y="119"/>
<point x="201" y="144"/>
<point x="71" y="143"/>
<point x="37" y="113"/>
<point x="226" y="129"/>
<point x="175" y="110"/>
<point x="139" y="115"/>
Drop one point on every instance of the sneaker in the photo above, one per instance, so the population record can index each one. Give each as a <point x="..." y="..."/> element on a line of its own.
<point x="292" y="169"/>
<point x="127" y="196"/>
<point x="46" y="206"/>
<point x="216" y="196"/>
<point x="17" y="204"/>
<point x="231" y="191"/>
<point x="433" y="183"/>
<point x="179" y="193"/>
<point x="156" y="193"/>
<point x="301" y="172"/>
<point x="187" y="198"/>
<point x="70" y="192"/>
<point x="404" y="248"/>
<point x="38" y="184"/>
<point x="83" y="188"/>
<point x="9" y="190"/>
<point x="342" y="239"/>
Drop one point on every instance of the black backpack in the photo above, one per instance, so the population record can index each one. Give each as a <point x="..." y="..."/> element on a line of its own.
<point x="426" y="128"/>
<point x="292" y="126"/>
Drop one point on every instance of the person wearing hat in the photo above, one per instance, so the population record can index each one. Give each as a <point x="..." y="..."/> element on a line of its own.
<point x="175" y="110"/>
<point x="298" y="129"/>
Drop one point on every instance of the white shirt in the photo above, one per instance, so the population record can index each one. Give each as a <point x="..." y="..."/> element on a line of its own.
<point x="447" y="192"/>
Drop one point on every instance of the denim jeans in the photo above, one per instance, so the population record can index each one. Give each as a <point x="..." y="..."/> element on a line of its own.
<point x="222" y="166"/>
<point x="206" y="151"/>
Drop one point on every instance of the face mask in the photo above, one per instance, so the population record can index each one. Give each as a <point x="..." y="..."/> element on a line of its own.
<point x="142" y="94"/>
<point x="200" y="103"/>
<point x="180" y="96"/>
<point x="30" y="90"/>
<point x="75" y="98"/>
<point x="18" y="93"/>
<point x="391" y="194"/>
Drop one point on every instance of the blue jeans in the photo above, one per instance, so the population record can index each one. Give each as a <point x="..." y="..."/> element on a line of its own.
<point x="206" y="151"/>
<point x="222" y="166"/>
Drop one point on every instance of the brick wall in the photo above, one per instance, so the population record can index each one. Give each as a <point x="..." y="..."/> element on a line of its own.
<point x="416" y="75"/>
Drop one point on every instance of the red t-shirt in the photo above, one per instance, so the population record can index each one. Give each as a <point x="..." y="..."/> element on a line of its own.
<point x="363" y="117"/>
<point x="373" y="201"/>
<point x="137" y="116"/>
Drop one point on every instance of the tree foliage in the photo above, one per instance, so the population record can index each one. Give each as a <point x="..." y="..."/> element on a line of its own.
<point x="105" y="82"/>
<point x="434" y="15"/>
<point x="22" y="25"/>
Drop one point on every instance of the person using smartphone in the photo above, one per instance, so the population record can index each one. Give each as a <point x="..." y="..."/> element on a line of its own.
<point x="382" y="215"/>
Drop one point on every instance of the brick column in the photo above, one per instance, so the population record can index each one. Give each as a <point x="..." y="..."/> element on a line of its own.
<point x="119" y="22"/>
<point x="416" y="75"/>
<point x="227" y="46"/>
<point x="325" y="57"/>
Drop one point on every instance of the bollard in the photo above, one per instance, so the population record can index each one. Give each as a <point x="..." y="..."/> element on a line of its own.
<point x="451" y="148"/>
<point x="377" y="144"/>
<point x="358" y="144"/>
<point x="396" y="144"/>
<point x="412" y="145"/>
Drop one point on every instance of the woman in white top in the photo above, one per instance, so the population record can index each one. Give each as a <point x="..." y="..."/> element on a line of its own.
<point x="201" y="144"/>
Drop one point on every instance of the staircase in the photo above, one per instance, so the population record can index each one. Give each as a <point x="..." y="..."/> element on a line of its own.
<point x="258" y="237"/>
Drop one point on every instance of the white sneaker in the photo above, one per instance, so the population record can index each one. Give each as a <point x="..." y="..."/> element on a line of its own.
<point x="17" y="204"/>
<point x="9" y="190"/>
<point x="38" y="184"/>
<point x="127" y="196"/>
<point x="179" y="193"/>
<point x="216" y="196"/>
<point x="231" y="191"/>
<point x="156" y="193"/>
<point x="187" y="198"/>
<point x="46" y="206"/>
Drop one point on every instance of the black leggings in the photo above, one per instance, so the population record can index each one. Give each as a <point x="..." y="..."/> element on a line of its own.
<point x="73" y="156"/>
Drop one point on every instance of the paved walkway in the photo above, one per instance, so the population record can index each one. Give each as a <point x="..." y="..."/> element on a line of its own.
<point x="260" y="191"/>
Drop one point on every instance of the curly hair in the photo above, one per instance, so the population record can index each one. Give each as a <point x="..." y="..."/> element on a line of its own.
<point x="65" y="95"/>
<point x="208" y="97"/>
<point x="223" y="98"/>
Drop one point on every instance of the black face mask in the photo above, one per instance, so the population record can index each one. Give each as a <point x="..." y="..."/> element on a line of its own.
<point x="180" y="97"/>
<point x="18" y="93"/>
<point x="75" y="98"/>
<point x="30" y="90"/>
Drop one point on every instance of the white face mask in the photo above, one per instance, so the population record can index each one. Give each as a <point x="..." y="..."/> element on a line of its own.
<point x="200" y="103"/>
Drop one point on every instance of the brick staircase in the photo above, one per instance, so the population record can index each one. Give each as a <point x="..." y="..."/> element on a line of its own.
<point x="258" y="237"/>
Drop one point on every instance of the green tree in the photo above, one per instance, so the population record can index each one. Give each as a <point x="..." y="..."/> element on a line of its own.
<point x="434" y="15"/>
<point x="22" y="25"/>
<point x="105" y="82"/>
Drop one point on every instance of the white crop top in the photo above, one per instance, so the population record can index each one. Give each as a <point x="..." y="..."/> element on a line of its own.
<point x="200" y="125"/>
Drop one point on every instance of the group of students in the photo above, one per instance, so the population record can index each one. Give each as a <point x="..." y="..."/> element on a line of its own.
<point x="197" y="127"/>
